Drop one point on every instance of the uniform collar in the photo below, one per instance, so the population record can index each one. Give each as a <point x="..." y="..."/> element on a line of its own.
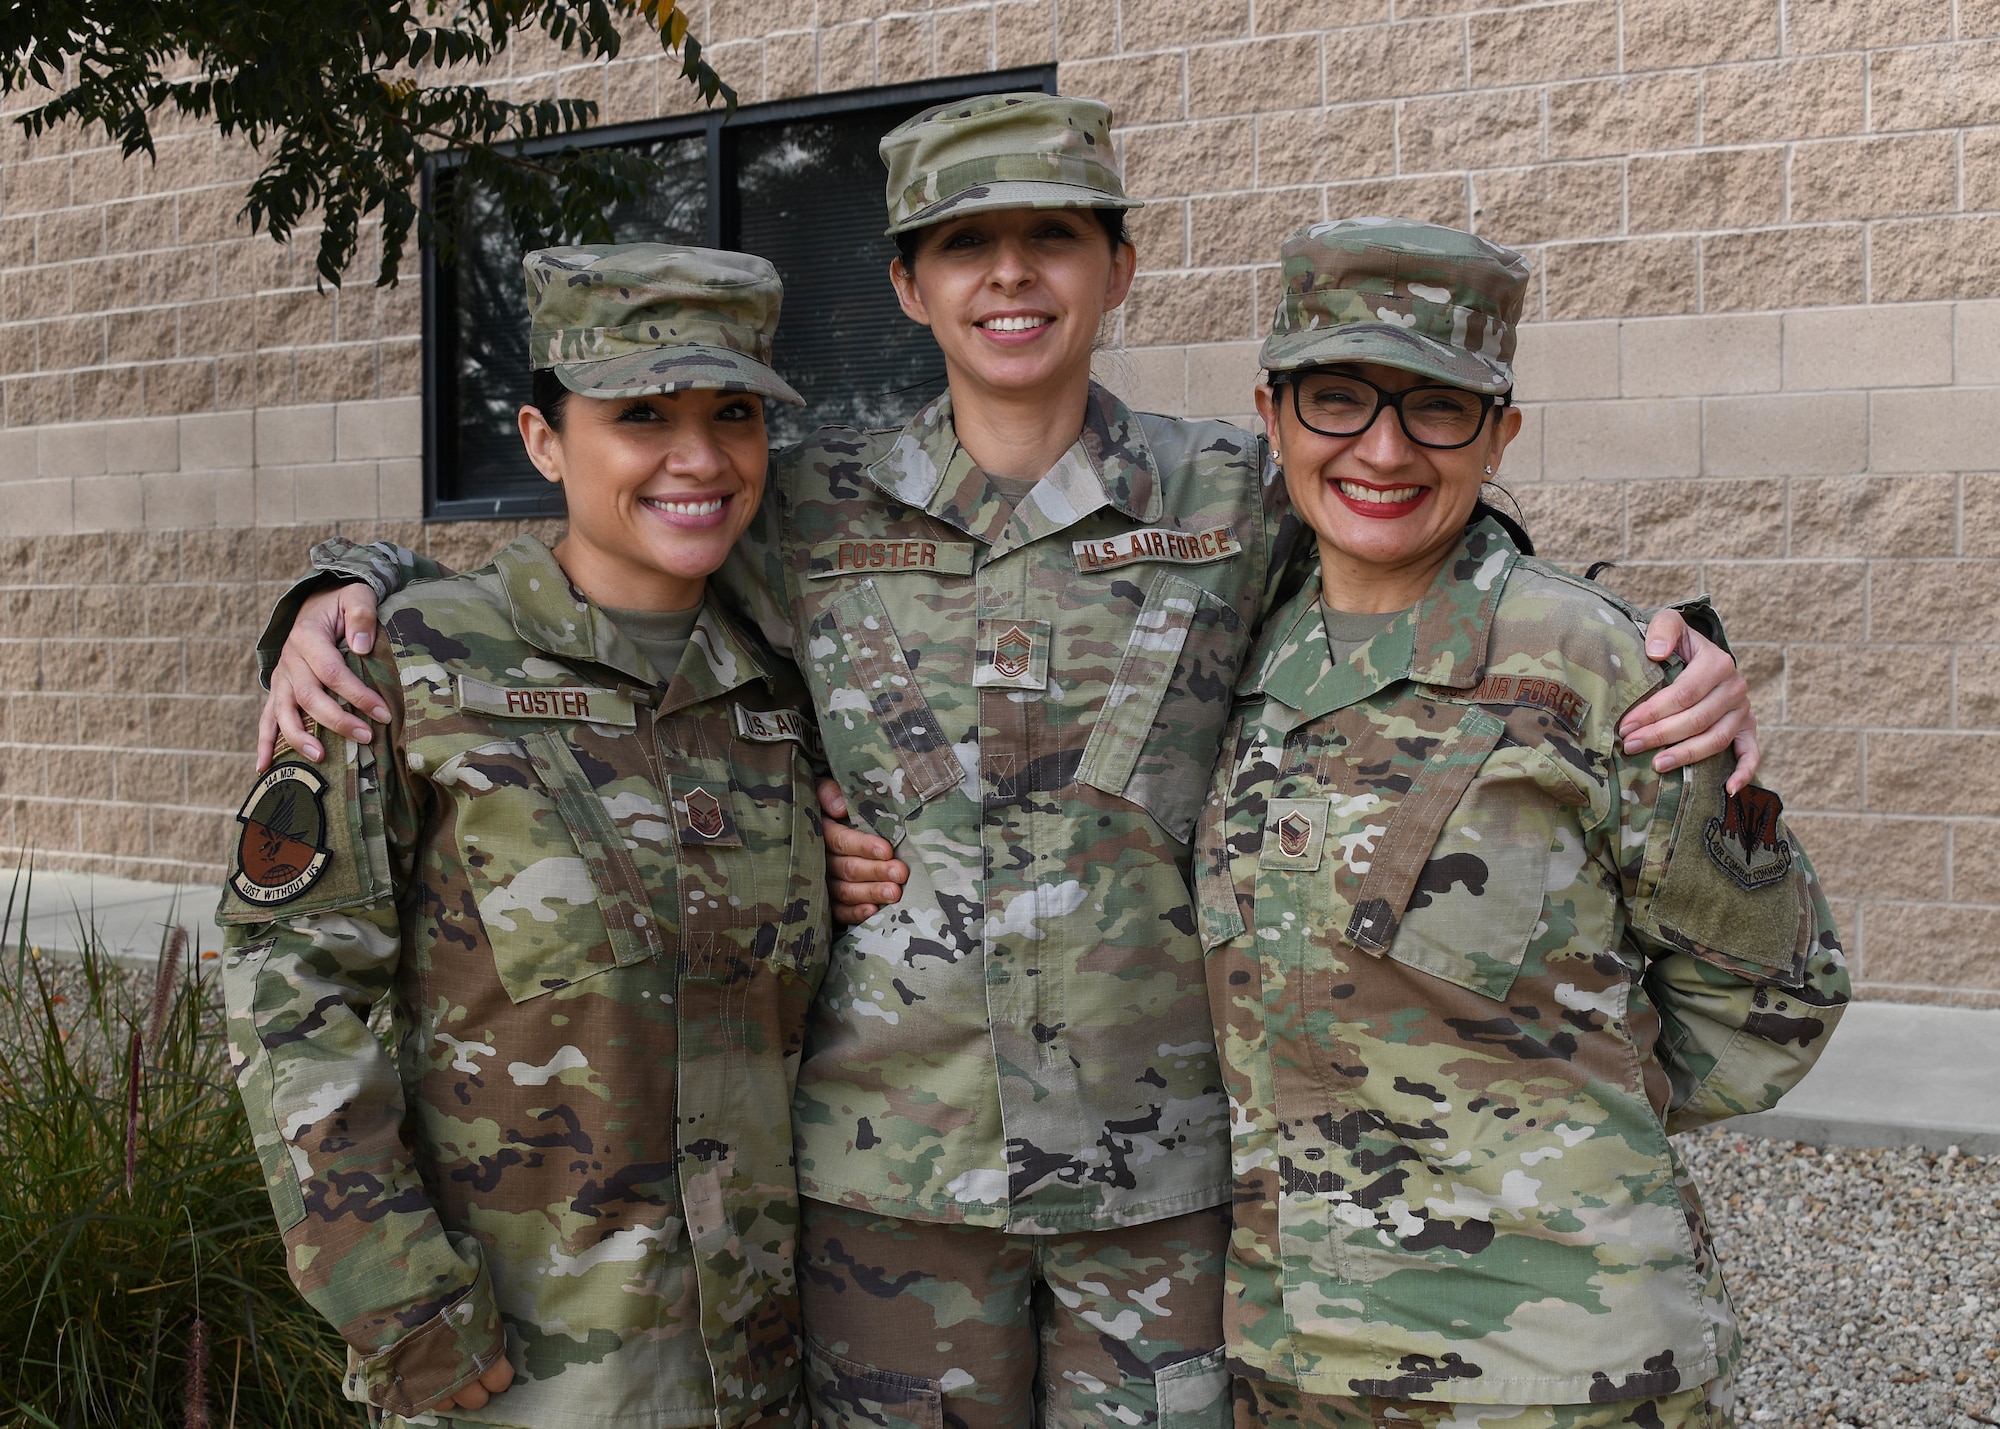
<point x="1441" y="641"/>
<point x="1110" y="464"/>
<point x="552" y="616"/>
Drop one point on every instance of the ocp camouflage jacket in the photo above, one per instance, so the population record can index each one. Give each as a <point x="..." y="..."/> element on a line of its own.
<point x="1025" y="701"/>
<point x="591" y="912"/>
<point x="1469" y="965"/>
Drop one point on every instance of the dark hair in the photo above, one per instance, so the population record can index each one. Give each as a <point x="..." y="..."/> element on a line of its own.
<point x="1111" y="220"/>
<point x="549" y="396"/>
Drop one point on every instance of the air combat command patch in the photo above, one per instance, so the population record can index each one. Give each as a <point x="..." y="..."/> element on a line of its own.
<point x="283" y="848"/>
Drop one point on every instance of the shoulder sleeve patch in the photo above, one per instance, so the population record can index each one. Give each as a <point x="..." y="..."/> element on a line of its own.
<point x="1724" y="883"/>
<point x="306" y="839"/>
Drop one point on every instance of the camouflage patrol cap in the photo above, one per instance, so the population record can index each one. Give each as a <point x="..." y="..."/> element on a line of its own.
<point x="632" y="319"/>
<point x="1436" y="301"/>
<point x="1001" y="151"/>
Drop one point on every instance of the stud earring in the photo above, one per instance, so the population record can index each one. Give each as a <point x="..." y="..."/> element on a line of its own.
<point x="1489" y="471"/>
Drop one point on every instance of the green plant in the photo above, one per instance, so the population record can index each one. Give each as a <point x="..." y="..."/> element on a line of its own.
<point x="343" y="100"/>
<point x="142" y="1279"/>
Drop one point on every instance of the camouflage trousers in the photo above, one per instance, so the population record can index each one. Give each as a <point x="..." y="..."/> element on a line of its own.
<point x="911" y="1325"/>
<point x="1260" y="1403"/>
<point x="786" y="1413"/>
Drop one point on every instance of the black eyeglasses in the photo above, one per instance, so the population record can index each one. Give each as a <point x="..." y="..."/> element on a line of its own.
<point x="1338" y="404"/>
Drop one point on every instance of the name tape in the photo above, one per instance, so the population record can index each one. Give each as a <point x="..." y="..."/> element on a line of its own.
<point x="546" y="702"/>
<point x="771" y="726"/>
<point x="1155" y="543"/>
<point x="834" y="558"/>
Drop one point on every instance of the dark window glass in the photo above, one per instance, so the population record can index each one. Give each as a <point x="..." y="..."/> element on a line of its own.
<point x="799" y="182"/>
<point x="809" y="197"/>
<point x="492" y="320"/>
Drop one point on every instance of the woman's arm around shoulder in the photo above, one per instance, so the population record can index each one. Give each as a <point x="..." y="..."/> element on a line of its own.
<point x="314" y="941"/>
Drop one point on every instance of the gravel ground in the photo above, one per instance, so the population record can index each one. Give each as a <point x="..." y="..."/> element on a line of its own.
<point x="1868" y="1281"/>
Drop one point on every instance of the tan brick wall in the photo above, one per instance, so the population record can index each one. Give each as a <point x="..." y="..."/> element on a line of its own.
<point x="1765" y="363"/>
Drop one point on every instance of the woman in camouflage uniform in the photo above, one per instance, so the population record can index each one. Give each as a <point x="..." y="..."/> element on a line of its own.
<point x="1020" y="617"/>
<point x="582" y="878"/>
<point x="1469" y="961"/>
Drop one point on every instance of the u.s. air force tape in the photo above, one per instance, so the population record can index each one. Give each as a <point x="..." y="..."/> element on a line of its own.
<point x="771" y="726"/>
<point x="546" y="702"/>
<point x="1156" y="543"/>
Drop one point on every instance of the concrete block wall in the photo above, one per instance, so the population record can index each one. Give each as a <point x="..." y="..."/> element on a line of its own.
<point x="1763" y="361"/>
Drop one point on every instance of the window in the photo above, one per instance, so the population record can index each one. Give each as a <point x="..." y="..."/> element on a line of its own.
<point x="798" y="182"/>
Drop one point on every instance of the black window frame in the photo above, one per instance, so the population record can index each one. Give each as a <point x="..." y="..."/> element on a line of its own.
<point x="440" y="305"/>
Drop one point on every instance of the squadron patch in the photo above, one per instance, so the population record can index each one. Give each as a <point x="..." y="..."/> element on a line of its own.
<point x="282" y="851"/>
<point x="1743" y="839"/>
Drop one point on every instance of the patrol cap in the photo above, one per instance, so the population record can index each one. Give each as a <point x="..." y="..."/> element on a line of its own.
<point x="633" y="319"/>
<point x="1440" y="302"/>
<point x="1001" y="151"/>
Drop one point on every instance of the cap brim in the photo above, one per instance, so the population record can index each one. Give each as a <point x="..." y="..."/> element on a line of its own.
<point x="1011" y="193"/>
<point x="675" y="369"/>
<point x="1390" y="346"/>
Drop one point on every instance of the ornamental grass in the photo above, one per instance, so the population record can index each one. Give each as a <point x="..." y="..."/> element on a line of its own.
<point x="142" y="1279"/>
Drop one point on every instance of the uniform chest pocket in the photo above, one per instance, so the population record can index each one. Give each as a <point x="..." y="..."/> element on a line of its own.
<point x="1477" y="868"/>
<point x="750" y="862"/>
<point x="1155" y="738"/>
<point x="881" y="735"/>
<point x="556" y="887"/>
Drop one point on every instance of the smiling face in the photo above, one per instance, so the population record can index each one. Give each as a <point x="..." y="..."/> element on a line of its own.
<point x="1387" y="512"/>
<point x="1014" y="298"/>
<point x="658" y="488"/>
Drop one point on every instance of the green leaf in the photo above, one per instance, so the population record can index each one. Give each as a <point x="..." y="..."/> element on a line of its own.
<point x="343" y="100"/>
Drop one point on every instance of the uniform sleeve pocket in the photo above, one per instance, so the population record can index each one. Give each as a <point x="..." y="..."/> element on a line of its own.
<point x="1722" y="880"/>
<point x="308" y="839"/>
<point x="1167" y="704"/>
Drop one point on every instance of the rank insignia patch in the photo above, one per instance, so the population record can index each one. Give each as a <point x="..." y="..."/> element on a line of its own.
<point x="701" y="814"/>
<point x="1743" y="839"/>
<point x="282" y="851"/>
<point x="1294" y="834"/>
<point x="704" y="813"/>
<point x="1012" y="652"/>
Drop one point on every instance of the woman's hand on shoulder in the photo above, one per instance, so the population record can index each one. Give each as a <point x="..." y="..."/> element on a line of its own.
<point x="312" y="677"/>
<point x="1703" y="712"/>
<point x="862" y="871"/>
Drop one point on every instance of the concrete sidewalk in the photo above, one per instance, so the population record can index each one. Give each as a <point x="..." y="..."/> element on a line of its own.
<point x="1895" y="1074"/>
<point x="129" y="918"/>
<point x="1898" y="1074"/>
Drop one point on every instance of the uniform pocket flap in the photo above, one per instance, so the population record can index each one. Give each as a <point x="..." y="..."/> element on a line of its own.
<point x="845" y="1391"/>
<point x="1194" y="1394"/>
